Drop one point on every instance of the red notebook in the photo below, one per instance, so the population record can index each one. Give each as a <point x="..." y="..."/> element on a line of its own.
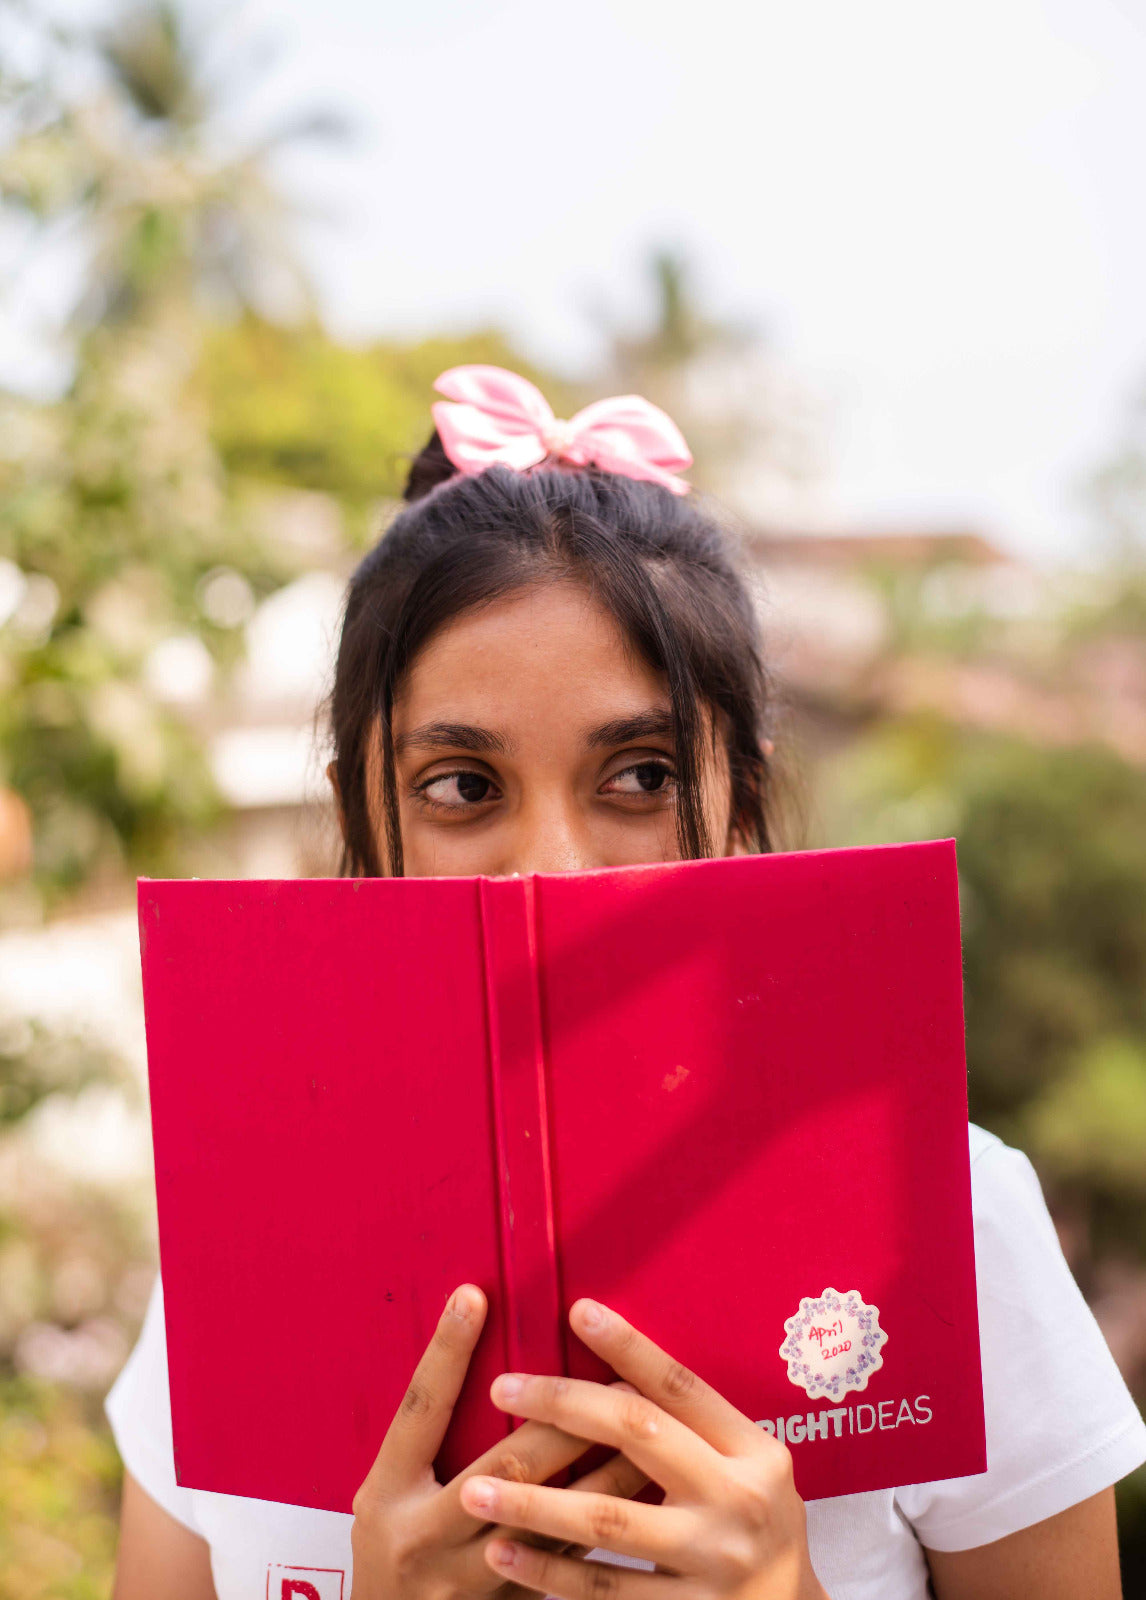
<point x="726" y="1097"/>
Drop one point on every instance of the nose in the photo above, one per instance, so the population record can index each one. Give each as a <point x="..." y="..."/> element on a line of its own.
<point x="550" y="838"/>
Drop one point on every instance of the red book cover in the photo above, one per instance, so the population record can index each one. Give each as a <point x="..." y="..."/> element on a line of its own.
<point x="726" y="1097"/>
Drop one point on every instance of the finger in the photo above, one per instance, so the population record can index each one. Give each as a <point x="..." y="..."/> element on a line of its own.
<point x="671" y="1386"/>
<point x="665" y="1534"/>
<point x="617" y="1476"/>
<point x="567" y="1579"/>
<point x="473" y="1575"/>
<point x="530" y="1454"/>
<point x="683" y="1463"/>
<point x="420" y="1422"/>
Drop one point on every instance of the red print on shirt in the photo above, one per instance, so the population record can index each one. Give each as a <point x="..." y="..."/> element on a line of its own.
<point x="305" y="1583"/>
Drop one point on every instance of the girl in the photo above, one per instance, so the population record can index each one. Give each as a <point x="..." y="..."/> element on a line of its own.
<point x="549" y="663"/>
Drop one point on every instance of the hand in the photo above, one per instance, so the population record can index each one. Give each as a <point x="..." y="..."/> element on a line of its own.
<point x="411" y="1537"/>
<point x="731" y="1524"/>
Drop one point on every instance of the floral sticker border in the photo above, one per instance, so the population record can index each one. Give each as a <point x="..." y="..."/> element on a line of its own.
<point x="803" y="1374"/>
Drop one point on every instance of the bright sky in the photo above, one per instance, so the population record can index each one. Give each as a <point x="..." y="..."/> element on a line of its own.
<point x="935" y="212"/>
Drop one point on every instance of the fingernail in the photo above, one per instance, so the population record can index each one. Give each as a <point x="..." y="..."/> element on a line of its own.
<point x="480" y="1494"/>
<point x="503" y="1552"/>
<point x="627" y="1388"/>
<point x="460" y="1304"/>
<point x="509" y="1386"/>
<point x="592" y="1315"/>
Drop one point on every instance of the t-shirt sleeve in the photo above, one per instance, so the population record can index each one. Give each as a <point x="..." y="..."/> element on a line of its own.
<point x="138" y="1407"/>
<point x="1060" y="1422"/>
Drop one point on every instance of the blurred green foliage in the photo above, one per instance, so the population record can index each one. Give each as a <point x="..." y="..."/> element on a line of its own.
<point x="60" y="1478"/>
<point x="111" y="533"/>
<point x="1051" y="847"/>
<point x="124" y="503"/>
<point x="36" y="1061"/>
<point x="293" y="406"/>
<point x="113" y="507"/>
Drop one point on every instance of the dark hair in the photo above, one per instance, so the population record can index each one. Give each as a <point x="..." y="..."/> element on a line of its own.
<point x="655" y="560"/>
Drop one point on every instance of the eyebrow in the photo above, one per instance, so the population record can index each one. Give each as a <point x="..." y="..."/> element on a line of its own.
<point x="458" y="735"/>
<point x="484" y="741"/>
<point x="626" y="730"/>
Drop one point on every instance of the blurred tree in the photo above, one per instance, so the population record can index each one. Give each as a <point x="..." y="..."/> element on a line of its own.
<point x="1052" y="871"/>
<point x="116" y="523"/>
<point x="292" y="406"/>
<point x="755" y="429"/>
<point x="130" y="554"/>
<point x="679" y="329"/>
<point x="126" y="570"/>
<point x="1117" y="491"/>
<point x="140" y="163"/>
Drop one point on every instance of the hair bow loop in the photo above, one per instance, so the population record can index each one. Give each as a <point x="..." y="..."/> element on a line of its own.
<point x="495" y="417"/>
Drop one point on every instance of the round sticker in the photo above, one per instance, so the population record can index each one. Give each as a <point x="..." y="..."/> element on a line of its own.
<point x="834" y="1343"/>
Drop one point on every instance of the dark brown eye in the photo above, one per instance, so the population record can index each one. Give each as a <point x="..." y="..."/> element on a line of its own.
<point x="643" y="777"/>
<point x="472" y="786"/>
<point x="456" y="790"/>
<point x="651" y="776"/>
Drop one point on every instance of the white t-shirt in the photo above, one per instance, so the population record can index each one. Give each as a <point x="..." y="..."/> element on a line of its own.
<point x="1061" y="1425"/>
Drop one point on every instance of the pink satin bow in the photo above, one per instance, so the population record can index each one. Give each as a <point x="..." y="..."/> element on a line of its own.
<point x="496" y="418"/>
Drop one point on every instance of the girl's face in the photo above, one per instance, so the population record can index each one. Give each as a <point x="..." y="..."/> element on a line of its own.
<point x="530" y="737"/>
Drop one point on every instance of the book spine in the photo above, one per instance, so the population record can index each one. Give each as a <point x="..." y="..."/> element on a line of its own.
<point x="532" y="1310"/>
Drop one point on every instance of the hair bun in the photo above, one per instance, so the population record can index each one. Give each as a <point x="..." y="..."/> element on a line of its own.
<point x="429" y="467"/>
